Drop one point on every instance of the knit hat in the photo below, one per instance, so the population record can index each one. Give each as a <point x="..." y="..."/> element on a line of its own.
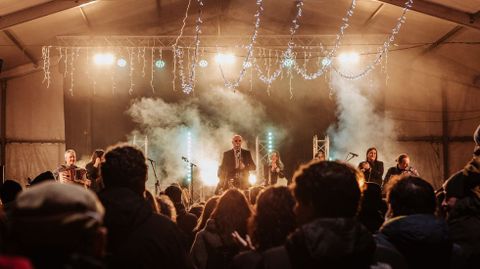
<point x="52" y="215"/>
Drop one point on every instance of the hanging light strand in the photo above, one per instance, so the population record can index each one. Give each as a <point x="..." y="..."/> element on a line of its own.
<point x="328" y="58"/>
<point x="382" y="51"/>
<point x="188" y="83"/>
<point x="247" y="61"/>
<point x="46" y="64"/>
<point x="288" y="53"/>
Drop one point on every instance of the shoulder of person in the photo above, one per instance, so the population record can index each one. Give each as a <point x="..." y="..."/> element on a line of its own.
<point x="276" y="257"/>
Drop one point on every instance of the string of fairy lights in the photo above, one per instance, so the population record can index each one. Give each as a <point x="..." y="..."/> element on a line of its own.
<point x="267" y="64"/>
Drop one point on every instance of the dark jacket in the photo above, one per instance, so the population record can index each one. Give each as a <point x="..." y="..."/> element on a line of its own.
<point x="395" y="170"/>
<point x="376" y="172"/>
<point x="138" y="238"/>
<point x="207" y="241"/>
<point x="464" y="225"/>
<point x="422" y="239"/>
<point x="324" y="243"/>
<point x="93" y="174"/>
<point x="228" y="171"/>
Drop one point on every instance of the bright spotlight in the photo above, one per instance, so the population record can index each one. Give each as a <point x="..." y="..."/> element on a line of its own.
<point x="288" y="62"/>
<point x="252" y="179"/>
<point x="351" y="57"/>
<point x="222" y="58"/>
<point x="160" y="63"/>
<point x="208" y="171"/>
<point x="104" y="59"/>
<point x="121" y="62"/>
<point x="203" y="63"/>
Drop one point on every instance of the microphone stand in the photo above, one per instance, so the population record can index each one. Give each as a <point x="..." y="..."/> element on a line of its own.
<point x="157" y="182"/>
<point x="191" y="178"/>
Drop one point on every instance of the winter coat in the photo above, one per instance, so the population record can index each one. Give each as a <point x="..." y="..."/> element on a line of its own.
<point x="324" y="243"/>
<point x="138" y="238"/>
<point x="422" y="239"/>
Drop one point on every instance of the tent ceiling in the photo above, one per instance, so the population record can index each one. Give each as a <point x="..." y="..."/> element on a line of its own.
<point x="228" y="17"/>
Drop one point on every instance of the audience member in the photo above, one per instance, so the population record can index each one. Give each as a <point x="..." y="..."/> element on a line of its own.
<point x="373" y="209"/>
<point x="137" y="237"/>
<point x="214" y="246"/>
<point x="462" y="204"/>
<point x="207" y="212"/>
<point x="166" y="207"/>
<point x="45" y="176"/>
<point x="57" y="226"/>
<point x="185" y="221"/>
<point x="413" y="228"/>
<point x="197" y="210"/>
<point x="327" y="200"/>
<point x="8" y="192"/>
<point x="93" y="170"/>
<point x="273" y="220"/>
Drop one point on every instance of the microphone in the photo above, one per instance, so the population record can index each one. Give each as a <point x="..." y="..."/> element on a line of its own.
<point x="354" y="154"/>
<point x="150" y="160"/>
<point x="184" y="158"/>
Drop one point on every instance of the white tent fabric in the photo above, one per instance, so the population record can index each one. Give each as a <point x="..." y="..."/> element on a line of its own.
<point x="34" y="120"/>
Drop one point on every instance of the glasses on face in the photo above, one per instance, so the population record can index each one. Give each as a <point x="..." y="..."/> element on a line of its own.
<point x="237" y="140"/>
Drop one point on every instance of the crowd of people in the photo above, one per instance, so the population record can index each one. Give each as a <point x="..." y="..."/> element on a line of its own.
<point x="332" y="215"/>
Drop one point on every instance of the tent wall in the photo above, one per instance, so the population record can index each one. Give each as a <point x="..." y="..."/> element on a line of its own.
<point x="35" y="126"/>
<point x="422" y="91"/>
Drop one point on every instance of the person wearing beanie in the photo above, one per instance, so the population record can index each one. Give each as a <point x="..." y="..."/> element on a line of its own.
<point x="462" y="203"/>
<point x="57" y="226"/>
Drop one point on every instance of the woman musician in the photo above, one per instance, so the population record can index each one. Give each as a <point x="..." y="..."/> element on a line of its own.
<point x="274" y="169"/>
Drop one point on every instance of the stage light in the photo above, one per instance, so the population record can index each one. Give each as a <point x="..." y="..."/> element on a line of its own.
<point x="203" y="63"/>
<point x="288" y="62"/>
<point x="121" y="62"/>
<point x="208" y="170"/>
<point x="252" y="179"/>
<point x="351" y="57"/>
<point x="160" y="63"/>
<point x="222" y="58"/>
<point x="189" y="156"/>
<point x="104" y="59"/>
<point x="270" y="142"/>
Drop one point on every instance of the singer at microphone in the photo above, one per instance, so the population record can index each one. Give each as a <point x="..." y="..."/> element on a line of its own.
<point x="403" y="167"/>
<point x="235" y="167"/>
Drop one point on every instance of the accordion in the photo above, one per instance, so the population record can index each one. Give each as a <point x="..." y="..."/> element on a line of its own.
<point x="75" y="175"/>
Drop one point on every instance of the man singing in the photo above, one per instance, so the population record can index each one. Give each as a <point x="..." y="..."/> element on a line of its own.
<point x="236" y="164"/>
